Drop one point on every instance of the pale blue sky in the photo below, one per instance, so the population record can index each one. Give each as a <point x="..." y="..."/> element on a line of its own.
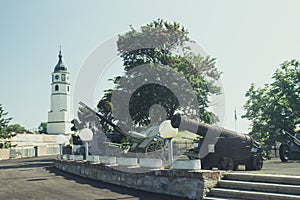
<point x="248" y="38"/>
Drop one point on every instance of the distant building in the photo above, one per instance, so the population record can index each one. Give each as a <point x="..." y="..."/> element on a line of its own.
<point x="60" y="115"/>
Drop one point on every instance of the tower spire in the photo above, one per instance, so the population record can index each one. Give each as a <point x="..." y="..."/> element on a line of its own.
<point x="60" y="55"/>
<point x="60" y="66"/>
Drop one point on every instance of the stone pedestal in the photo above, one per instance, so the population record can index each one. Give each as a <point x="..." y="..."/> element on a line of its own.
<point x="78" y="157"/>
<point x="151" y="163"/>
<point x="127" y="161"/>
<point x="93" y="159"/>
<point x="186" y="164"/>
<point x="108" y="160"/>
<point x="70" y="157"/>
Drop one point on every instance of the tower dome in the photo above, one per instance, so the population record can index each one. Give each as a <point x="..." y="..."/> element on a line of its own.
<point x="60" y="67"/>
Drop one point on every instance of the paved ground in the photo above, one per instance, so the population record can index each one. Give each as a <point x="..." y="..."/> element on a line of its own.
<point x="275" y="166"/>
<point x="36" y="178"/>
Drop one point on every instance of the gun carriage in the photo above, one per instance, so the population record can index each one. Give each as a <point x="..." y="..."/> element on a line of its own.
<point x="290" y="151"/>
<point x="130" y="141"/>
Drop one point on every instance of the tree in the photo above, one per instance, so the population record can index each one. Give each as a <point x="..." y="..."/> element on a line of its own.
<point x="42" y="127"/>
<point x="156" y="46"/>
<point x="15" y="128"/>
<point x="275" y="106"/>
<point x="4" y="134"/>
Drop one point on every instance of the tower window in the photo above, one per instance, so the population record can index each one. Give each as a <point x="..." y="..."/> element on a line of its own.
<point x="68" y="88"/>
<point x="56" y="88"/>
<point x="63" y="77"/>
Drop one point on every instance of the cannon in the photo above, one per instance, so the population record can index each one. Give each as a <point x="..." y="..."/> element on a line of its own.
<point x="129" y="141"/>
<point x="290" y="151"/>
<point x="225" y="149"/>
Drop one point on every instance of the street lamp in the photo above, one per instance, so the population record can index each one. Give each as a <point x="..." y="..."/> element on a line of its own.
<point x="168" y="132"/>
<point x="86" y="135"/>
<point x="61" y="140"/>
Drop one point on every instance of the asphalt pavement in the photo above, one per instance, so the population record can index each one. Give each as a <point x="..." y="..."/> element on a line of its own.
<point x="276" y="167"/>
<point x="36" y="178"/>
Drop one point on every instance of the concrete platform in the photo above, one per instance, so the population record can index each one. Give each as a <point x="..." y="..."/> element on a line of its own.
<point x="191" y="184"/>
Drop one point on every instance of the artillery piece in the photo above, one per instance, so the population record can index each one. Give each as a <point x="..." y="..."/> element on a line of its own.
<point x="290" y="151"/>
<point x="225" y="150"/>
<point x="129" y="141"/>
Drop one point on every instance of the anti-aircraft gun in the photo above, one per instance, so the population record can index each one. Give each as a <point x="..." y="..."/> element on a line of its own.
<point x="290" y="151"/>
<point x="130" y="141"/>
<point x="223" y="149"/>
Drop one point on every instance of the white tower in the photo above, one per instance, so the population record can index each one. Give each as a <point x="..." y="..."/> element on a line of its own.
<point x="60" y="116"/>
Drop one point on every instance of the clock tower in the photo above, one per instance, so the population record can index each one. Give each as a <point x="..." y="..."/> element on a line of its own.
<point x="60" y="116"/>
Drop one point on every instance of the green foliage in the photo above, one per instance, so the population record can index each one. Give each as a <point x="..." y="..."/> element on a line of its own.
<point x="104" y="107"/>
<point x="15" y="128"/>
<point x="155" y="45"/>
<point x="4" y="134"/>
<point x="276" y="106"/>
<point x="42" y="127"/>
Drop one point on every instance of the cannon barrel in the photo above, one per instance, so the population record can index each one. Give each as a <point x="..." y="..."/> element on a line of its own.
<point x="115" y="127"/>
<point x="200" y="128"/>
<point x="135" y="136"/>
<point x="296" y="141"/>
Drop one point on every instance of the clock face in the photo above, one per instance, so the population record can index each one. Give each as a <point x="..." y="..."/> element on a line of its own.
<point x="57" y="77"/>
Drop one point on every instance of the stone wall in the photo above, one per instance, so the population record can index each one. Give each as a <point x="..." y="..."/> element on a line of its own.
<point x="31" y="145"/>
<point x="181" y="183"/>
<point x="4" y="154"/>
<point x="33" y="151"/>
<point x="22" y="140"/>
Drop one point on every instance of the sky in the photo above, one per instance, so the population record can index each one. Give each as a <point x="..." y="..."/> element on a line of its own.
<point x="249" y="39"/>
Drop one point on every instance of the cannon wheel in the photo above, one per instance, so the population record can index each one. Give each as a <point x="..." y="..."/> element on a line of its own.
<point x="255" y="163"/>
<point x="153" y="146"/>
<point x="155" y="150"/>
<point x="227" y="164"/>
<point x="283" y="152"/>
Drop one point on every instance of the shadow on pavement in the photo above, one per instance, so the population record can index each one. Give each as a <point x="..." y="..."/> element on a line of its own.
<point x="26" y="163"/>
<point x="45" y="160"/>
<point x="35" y="165"/>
